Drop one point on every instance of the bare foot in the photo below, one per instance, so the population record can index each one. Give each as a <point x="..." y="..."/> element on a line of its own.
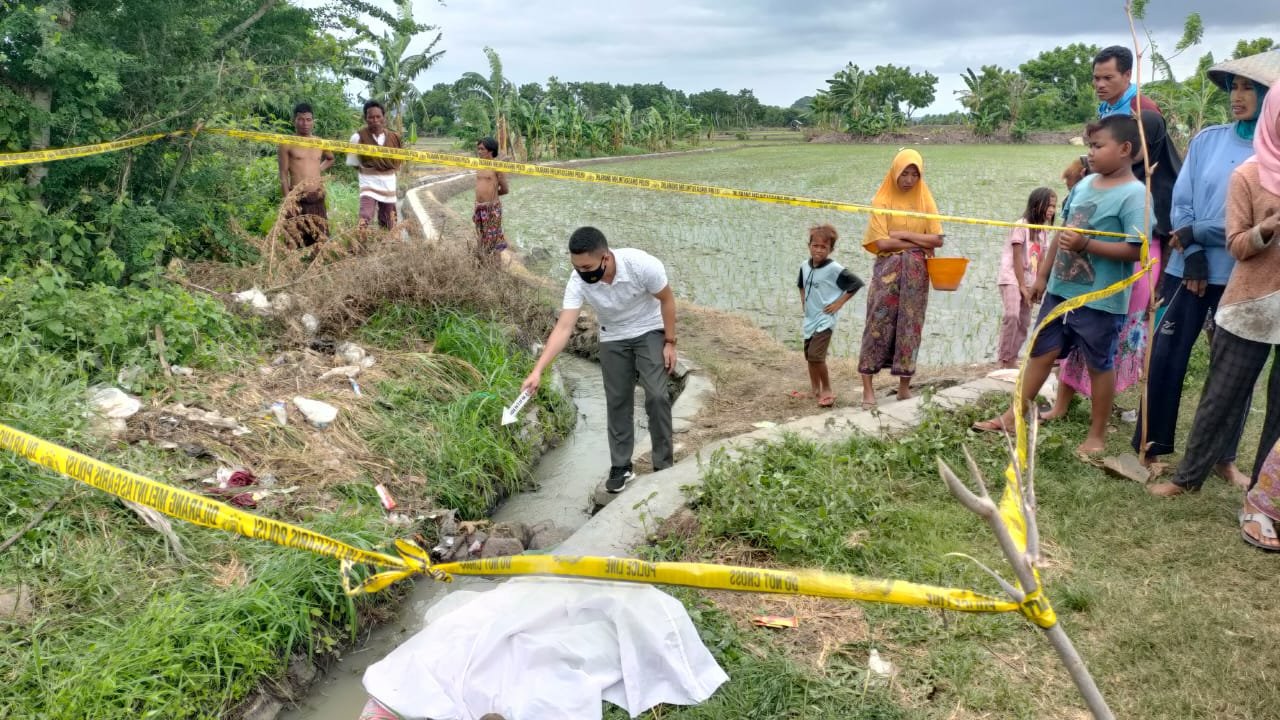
<point x="1231" y="473"/>
<point x="1168" y="489"/>
<point x="1053" y="414"/>
<point x="1091" y="446"/>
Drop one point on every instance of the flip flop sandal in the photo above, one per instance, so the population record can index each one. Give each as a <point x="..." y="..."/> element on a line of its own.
<point x="989" y="426"/>
<point x="827" y="401"/>
<point x="1266" y="528"/>
<point x="798" y="395"/>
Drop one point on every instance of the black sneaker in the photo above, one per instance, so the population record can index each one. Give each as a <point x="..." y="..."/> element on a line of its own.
<point x="618" y="478"/>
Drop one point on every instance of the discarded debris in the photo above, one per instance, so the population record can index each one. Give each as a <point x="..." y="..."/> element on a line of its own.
<point x="280" y="412"/>
<point x="1126" y="466"/>
<point x="349" y="353"/>
<point x="776" y="621"/>
<point x="318" y="413"/>
<point x="113" y="403"/>
<point x="388" y="502"/>
<point x="160" y="524"/>
<point x="181" y="413"/>
<point x="310" y="324"/>
<point x="281" y="303"/>
<point x="881" y="670"/>
<point x="343" y="371"/>
<point x="254" y="298"/>
<point x="183" y="371"/>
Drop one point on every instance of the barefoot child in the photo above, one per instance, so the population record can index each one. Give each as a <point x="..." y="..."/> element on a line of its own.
<point x="1019" y="263"/>
<point x="1109" y="200"/>
<point x="490" y="185"/>
<point x="825" y="286"/>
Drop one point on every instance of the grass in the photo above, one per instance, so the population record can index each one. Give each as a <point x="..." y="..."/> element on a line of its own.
<point x="448" y="437"/>
<point x="743" y="256"/>
<point x="121" y="627"/>
<point x="1171" y="611"/>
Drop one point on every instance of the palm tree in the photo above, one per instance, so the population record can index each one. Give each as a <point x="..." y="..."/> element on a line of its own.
<point x="386" y="67"/>
<point x="497" y="92"/>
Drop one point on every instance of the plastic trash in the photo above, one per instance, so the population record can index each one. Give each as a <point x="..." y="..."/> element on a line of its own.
<point x="880" y="668"/>
<point x="318" y="413"/>
<point x="180" y="370"/>
<point x="280" y="412"/>
<point x="310" y="324"/>
<point x="281" y="303"/>
<point x="343" y="371"/>
<point x="388" y="502"/>
<point x="114" y="403"/>
<point x="254" y="298"/>
<point x="349" y="353"/>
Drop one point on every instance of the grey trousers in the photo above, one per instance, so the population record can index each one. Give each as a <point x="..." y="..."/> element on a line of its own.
<point x="621" y="363"/>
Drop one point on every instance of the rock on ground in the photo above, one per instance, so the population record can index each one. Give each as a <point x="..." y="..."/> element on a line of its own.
<point x="15" y="604"/>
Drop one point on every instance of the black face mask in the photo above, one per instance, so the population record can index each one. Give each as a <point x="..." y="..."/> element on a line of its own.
<point x="591" y="277"/>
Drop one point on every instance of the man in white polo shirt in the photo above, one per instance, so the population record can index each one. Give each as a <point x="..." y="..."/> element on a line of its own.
<point x="637" y="314"/>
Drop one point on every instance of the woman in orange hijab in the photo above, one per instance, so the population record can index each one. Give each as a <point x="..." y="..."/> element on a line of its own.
<point x="899" y="288"/>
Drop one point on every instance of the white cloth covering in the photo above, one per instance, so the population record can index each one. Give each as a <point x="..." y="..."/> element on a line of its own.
<point x="547" y="649"/>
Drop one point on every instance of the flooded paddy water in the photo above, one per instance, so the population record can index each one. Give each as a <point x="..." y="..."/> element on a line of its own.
<point x="744" y="256"/>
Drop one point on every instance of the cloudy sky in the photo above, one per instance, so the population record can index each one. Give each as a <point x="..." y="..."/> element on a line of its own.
<point x="785" y="49"/>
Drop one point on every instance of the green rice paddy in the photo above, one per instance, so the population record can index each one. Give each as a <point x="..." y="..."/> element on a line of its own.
<point x="744" y="256"/>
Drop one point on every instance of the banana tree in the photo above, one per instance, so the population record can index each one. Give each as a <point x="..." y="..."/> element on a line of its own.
<point x="382" y="61"/>
<point x="496" y="91"/>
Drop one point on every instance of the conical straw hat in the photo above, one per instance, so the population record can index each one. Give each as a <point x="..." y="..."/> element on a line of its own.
<point x="1262" y="68"/>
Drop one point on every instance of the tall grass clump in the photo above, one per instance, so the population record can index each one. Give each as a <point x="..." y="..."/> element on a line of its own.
<point x="440" y="415"/>
<point x="126" y="633"/>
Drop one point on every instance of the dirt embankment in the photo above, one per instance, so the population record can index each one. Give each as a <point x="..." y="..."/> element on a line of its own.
<point x="947" y="135"/>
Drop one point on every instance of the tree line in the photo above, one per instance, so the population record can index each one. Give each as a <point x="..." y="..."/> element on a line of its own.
<point x="76" y="72"/>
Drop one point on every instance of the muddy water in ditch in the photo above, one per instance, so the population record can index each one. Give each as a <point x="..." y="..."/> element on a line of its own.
<point x="565" y="478"/>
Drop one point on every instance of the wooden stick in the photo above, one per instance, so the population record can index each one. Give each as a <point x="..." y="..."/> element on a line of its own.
<point x="34" y="521"/>
<point x="1146" y="226"/>
<point x="984" y="507"/>
<point x="162" y="352"/>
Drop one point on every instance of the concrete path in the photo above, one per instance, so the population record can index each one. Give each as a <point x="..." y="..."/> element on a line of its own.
<point x="627" y="522"/>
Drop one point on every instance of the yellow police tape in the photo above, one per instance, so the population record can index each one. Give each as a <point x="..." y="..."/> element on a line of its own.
<point x="412" y="560"/>
<point x="33" y="157"/>
<point x="545" y="171"/>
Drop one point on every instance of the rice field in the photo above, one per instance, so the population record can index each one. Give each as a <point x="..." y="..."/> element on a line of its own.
<point x="744" y="256"/>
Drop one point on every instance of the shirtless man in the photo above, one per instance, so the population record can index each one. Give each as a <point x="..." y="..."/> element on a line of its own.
<point x="302" y="168"/>
<point x="490" y="184"/>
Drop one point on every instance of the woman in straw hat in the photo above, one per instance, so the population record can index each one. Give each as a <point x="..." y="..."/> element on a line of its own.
<point x="1197" y="275"/>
